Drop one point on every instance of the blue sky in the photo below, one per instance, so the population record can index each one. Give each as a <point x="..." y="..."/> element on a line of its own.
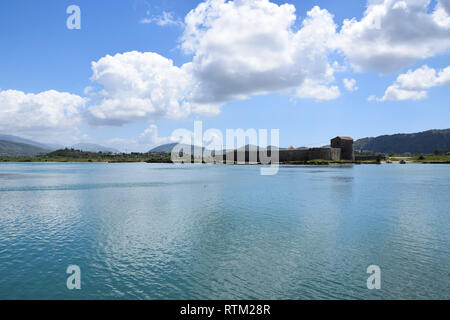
<point x="38" y="53"/>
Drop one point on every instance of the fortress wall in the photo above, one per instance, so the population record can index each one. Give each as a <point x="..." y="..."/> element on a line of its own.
<point x="294" y="155"/>
<point x="238" y="156"/>
<point x="284" y="156"/>
<point x="320" y="153"/>
<point x="336" y="154"/>
<point x="333" y="154"/>
<point x="310" y="154"/>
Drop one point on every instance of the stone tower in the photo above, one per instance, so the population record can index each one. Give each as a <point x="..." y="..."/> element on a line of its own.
<point x="346" y="146"/>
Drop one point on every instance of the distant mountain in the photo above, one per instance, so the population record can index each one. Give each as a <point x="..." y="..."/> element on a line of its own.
<point x="91" y="147"/>
<point x="16" y="139"/>
<point x="164" y="148"/>
<point x="275" y="148"/>
<point x="187" y="149"/>
<point x="423" y="142"/>
<point x="10" y="149"/>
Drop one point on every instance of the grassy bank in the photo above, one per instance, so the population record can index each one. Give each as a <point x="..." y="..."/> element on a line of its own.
<point x="328" y="162"/>
<point x="70" y="155"/>
<point x="430" y="159"/>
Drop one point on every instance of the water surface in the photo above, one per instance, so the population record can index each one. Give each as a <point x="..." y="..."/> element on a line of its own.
<point x="162" y="231"/>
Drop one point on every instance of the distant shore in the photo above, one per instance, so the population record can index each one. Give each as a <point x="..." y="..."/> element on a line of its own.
<point x="79" y="156"/>
<point x="72" y="155"/>
<point x="122" y="159"/>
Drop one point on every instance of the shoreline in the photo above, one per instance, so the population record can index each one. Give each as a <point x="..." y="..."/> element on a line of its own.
<point x="306" y="163"/>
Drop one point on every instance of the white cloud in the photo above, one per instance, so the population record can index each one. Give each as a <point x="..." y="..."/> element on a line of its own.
<point x="50" y="115"/>
<point x="250" y="47"/>
<point x="165" y="19"/>
<point x="444" y="77"/>
<point x="393" y="34"/>
<point x="420" y="79"/>
<point x="413" y="85"/>
<point x="350" y="84"/>
<point x="244" y="48"/>
<point x="442" y="13"/>
<point x="311" y="90"/>
<point x="396" y="93"/>
<point x="141" y="87"/>
<point x="239" y="48"/>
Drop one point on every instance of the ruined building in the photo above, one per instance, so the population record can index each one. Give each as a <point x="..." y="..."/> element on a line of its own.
<point x="341" y="149"/>
<point x="346" y="146"/>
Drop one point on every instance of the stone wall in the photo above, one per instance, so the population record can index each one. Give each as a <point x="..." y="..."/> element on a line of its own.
<point x="331" y="154"/>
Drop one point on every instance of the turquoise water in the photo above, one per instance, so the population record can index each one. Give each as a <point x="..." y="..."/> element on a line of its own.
<point x="160" y="231"/>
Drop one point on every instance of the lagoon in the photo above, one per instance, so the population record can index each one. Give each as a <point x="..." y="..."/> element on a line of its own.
<point x="164" y="231"/>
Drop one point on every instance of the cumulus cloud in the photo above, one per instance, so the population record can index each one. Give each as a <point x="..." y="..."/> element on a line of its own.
<point x="50" y="115"/>
<point x="251" y="47"/>
<point x="413" y="85"/>
<point x="396" y="93"/>
<point x="444" y="77"/>
<point x="141" y="86"/>
<point x="312" y="90"/>
<point x="393" y="34"/>
<point x="247" y="47"/>
<point x="442" y="13"/>
<point x="240" y="48"/>
<point x="350" y="84"/>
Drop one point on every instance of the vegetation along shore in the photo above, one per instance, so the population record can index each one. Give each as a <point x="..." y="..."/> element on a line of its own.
<point x="71" y="155"/>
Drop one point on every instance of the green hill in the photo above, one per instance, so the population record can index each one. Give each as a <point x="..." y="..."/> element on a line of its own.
<point x="72" y="153"/>
<point x="415" y="143"/>
<point x="10" y="149"/>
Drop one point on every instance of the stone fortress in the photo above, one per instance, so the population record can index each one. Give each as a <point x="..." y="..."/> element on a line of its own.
<point x="341" y="149"/>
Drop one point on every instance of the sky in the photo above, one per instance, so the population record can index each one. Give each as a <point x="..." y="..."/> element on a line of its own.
<point x="137" y="70"/>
